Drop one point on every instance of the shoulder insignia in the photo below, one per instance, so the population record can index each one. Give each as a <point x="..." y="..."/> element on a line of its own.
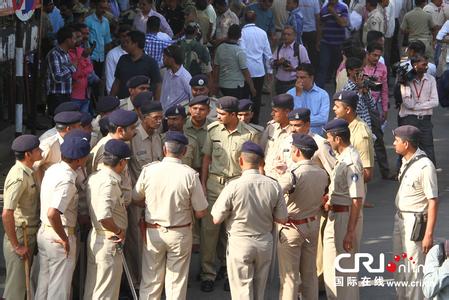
<point x="250" y="128"/>
<point x="212" y="125"/>
<point x="355" y="177"/>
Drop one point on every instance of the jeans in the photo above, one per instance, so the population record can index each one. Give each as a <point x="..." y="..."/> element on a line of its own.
<point x="309" y="41"/>
<point x="84" y="104"/>
<point x="330" y="58"/>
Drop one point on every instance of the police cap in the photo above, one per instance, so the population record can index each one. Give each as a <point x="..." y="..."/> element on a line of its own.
<point x="107" y="103"/>
<point x="245" y="105"/>
<point x="142" y="98"/>
<point x="199" y="80"/>
<point x="202" y="99"/>
<point x="118" y="148"/>
<point x="336" y="125"/>
<point x="304" y="142"/>
<point x="300" y="114"/>
<point x="228" y="104"/>
<point x="135" y="81"/>
<point x="67" y="106"/>
<point x="407" y="133"/>
<point x="122" y="118"/>
<point x="67" y="117"/>
<point x="75" y="147"/>
<point x="176" y="110"/>
<point x="25" y="143"/>
<point x="79" y="133"/>
<point x="176" y="136"/>
<point x="251" y="147"/>
<point x="350" y="98"/>
<point x="86" y="119"/>
<point x="283" y="101"/>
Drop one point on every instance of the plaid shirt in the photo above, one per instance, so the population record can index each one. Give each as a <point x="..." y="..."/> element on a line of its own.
<point x="59" y="72"/>
<point x="365" y="103"/>
<point x="155" y="46"/>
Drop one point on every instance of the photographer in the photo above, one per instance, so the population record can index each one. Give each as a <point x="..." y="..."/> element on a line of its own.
<point x="436" y="272"/>
<point x="419" y="96"/>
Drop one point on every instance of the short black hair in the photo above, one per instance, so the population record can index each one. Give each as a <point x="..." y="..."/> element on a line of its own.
<point x="372" y="2"/>
<point x="418" y="46"/>
<point x="234" y="32"/>
<point x="137" y="37"/>
<point x="222" y="3"/>
<point x="19" y="155"/>
<point x="373" y="47"/>
<point x="373" y="36"/>
<point x="345" y="135"/>
<point x="153" y="23"/>
<point x="201" y="4"/>
<point x="307" y="153"/>
<point x="308" y="68"/>
<point x="110" y="159"/>
<point x="64" y="33"/>
<point x="124" y="28"/>
<point x="420" y="2"/>
<point x="353" y="62"/>
<point x="175" y="51"/>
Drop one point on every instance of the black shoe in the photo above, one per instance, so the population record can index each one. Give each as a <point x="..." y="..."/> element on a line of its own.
<point x="207" y="286"/>
<point x="226" y="286"/>
<point x="222" y="273"/>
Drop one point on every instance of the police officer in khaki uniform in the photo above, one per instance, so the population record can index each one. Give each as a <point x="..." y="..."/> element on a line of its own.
<point x="417" y="197"/>
<point x="109" y="223"/>
<point x="342" y="233"/>
<point x="20" y="208"/>
<point x="136" y="85"/>
<point x="176" y="116"/>
<point x="246" y="113"/>
<point x="375" y="20"/>
<point x="64" y="106"/>
<point x="225" y="138"/>
<point x="171" y="190"/>
<point x="104" y="107"/>
<point x="276" y="132"/>
<point x="58" y="214"/>
<point x="305" y="184"/>
<point x="199" y="85"/>
<point x="249" y="205"/>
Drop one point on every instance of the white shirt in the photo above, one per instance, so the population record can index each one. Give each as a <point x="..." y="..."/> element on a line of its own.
<point x="397" y="8"/>
<point x="443" y="31"/>
<point x="436" y="12"/>
<point x="59" y="191"/>
<point x="255" y="43"/>
<point x="389" y="11"/>
<point x="111" y="63"/>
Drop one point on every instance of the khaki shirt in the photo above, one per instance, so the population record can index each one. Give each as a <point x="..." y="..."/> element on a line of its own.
<point x="145" y="149"/>
<point x="272" y="141"/>
<point x="105" y="199"/>
<point x="126" y="104"/>
<point x="171" y="190"/>
<point x="418" y="185"/>
<point x="59" y="191"/>
<point x="418" y="23"/>
<point x="50" y="132"/>
<point x="248" y="204"/>
<point x="21" y="194"/>
<point x="200" y="133"/>
<point x="192" y="156"/>
<point x="224" y="147"/>
<point x="375" y="21"/>
<point x="346" y="178"/>
<point x="97" y="154"/>
<point x="362" y="141"/>
<point x="309" y="182"/>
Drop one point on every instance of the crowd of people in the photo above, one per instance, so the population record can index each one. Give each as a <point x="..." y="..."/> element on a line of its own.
<point x="159" y="148"/>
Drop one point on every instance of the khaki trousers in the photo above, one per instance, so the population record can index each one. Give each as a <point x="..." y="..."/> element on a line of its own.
<point x="104" y="268"/>
<point x="319" y="252"/>
<point x="56" y="270"/>
<point x="134" y="243"/>
<point x="410" y="272"/>
<point x="249" y="260"/>
<point x="213" y="239"/>
<point x="297" y="261"/>
<point x="165" y="261"/>
<point x="334" y="233"/>
<point x="15" y="288"/>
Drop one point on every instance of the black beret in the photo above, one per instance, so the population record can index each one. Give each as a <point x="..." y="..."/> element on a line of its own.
<point x="78" y="132"/>
<point x="283" y="101"/>
<point x="24" y="143"/>
<point x="408" y="133"/>
<point x="122" y="118"/>
<point x="176" y="136"/>
<point x="107" y="103"/>
<point x="118" y="148"/>
<point x="228" y="104"/>
<point x="245" y="105"/>
<point x="67" y="117"/>
<point x="304" y="141"/>
<point x="142" y="98"/>
<point x="202" y="99"/>
<point x="199" y="80"/>
<point x="176" y="110"/>
<point x="67" y="106"/>
<point x="251" y="147"/>
<point x="336" y="125"/>
<point x="149" y="107"/>
<point x="86" y="118"/>
<point x="135" y="81"/>
<point x="350" y="98"/>
<point x="302" y="114"/>
<point x="75" y="147"/>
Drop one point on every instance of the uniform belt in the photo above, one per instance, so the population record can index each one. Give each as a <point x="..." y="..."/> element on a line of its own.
<point x="401" y="212"/>
<point x="150" y="225"/>
<point x="302" y="221"/>
<point x="70" y="230"/>
<point x="339" y="208"/>
<point x="425" y="117"/>
<point x="104" y="232"/>
<point x="221" y="179"/>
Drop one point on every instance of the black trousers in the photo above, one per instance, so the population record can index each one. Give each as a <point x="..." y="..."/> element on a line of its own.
<point x="379" y="145"/>
<point x="282" y="87"/>
<point x="309" y="41"/>
<point x="53" y="100"/>
<point x="238" y="92"/>
<point x="424" y="124"/>
<point x="258" y="85"/>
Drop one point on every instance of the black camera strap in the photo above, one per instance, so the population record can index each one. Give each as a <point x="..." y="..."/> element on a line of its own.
<point x="415" y="159"/>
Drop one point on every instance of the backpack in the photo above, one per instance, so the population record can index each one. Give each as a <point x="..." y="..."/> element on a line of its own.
<point x="192" y="62"/>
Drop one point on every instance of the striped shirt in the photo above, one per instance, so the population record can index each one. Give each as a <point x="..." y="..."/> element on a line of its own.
<point x="365" y="103"/>
<point x="332" y="32"/>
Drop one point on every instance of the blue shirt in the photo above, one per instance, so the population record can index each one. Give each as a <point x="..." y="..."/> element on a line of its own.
<point x="100" y="33"/>
<point x="331" y="32"/>
<point x="175" y="88"/>
<point x="155" y="46"/>
<point x="59" y="72"/>
<point x="264" y="18"/>
<point x="295" y="19"/>
<point x="309" y="8"/>
<point x="56" y="19"/>
<point x="317" y="100"/>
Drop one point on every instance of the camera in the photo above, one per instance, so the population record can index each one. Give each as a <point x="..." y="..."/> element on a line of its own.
<point x="404" y="71"/>
<point x="286" y="63"/>
<point x="371" y="83"/>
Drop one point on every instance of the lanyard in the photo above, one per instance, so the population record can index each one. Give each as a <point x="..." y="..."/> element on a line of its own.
<point x="418" y="94"/>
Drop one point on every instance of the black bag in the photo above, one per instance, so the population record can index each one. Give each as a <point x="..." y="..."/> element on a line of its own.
<point x="443" y="89"/>
<point x="419" y="227"/>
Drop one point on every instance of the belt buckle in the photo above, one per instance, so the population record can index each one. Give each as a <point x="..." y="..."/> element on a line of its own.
<point x="222" y="180"/>
<point x="420" y="117"/>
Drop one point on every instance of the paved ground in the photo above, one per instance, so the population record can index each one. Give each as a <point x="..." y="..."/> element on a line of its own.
<point x="378" y="222"/>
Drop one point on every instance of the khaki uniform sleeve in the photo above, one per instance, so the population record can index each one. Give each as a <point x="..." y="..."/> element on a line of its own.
<point x="207" y="148"/>
<point x="429" y="181"/>
<point x="365" y="149"/>
<point x="62" y="195"/>
<point x="285" y="181"/>
<point x="223" y="205"/>
<point x="356" y="185"/>
<point x="280" y="209"/>
<point x="326" y="157"/>
<point x="198" y="199"/>
<point x="139" y="188"/>
<point x="13" y="191"/>
<point x="105" y="202"/>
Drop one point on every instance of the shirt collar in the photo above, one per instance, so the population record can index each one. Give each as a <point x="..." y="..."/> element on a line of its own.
<point x="189" y="124"/>
<point x="290" y="46"/>
<point x="142" y="132"/>
<point x="305" y="162"/>
<point x="178" y="73"/>
<point x="250" y="172"/>
<point x="354" y="122"/>
<point x="238" y="129"/>
<point x="22" y="166"/>
<point x="112" y="173"/>
<point x="172" y="160"/>
<point x="417" y="152"/>
<point x="249" y="25"/>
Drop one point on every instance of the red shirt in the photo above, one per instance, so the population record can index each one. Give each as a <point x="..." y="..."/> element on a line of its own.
<point x="83" y="67"/>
